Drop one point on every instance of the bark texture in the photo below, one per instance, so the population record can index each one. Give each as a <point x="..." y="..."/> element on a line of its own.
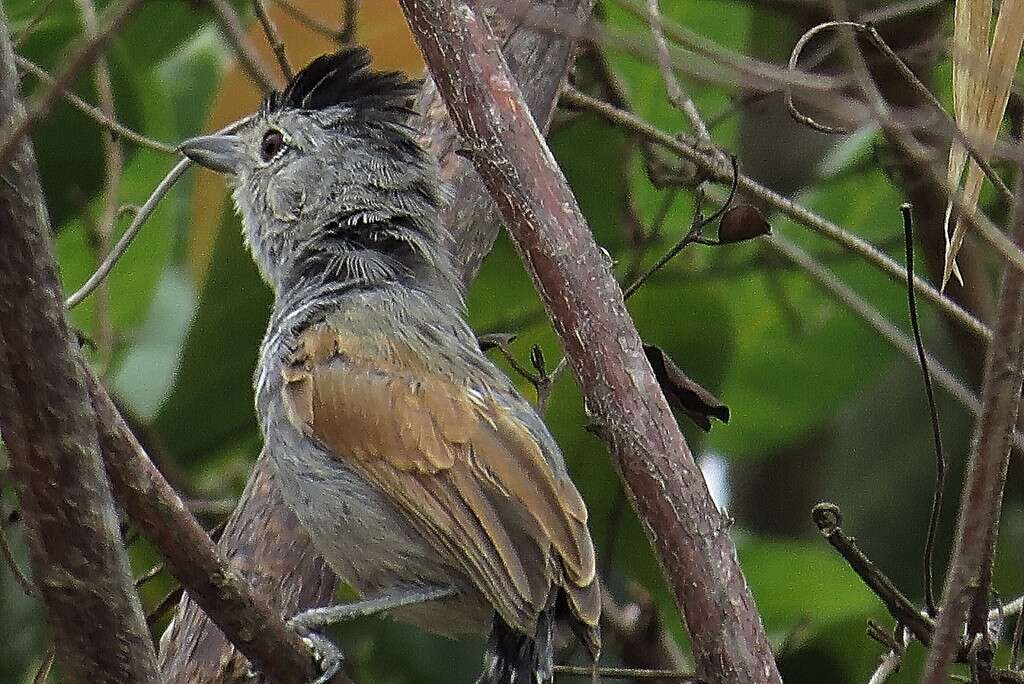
<point x="969" y="581"/>
<point x="585" y="304"/>
<point x="193" y="558"/>
<point x="79" y="563"/>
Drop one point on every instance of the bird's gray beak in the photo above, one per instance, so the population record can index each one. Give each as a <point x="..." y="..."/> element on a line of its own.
<point x="221" y="153"/>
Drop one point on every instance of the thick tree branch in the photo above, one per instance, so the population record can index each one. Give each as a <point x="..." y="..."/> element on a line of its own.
<point x="586" y="306"/>
<point x="540" y="62"/>
<point x="79" y="564"/>
<point x="263" y="538"/>
<point x="191" y="555"/>
<point x="969" y="580"/>
<point x="51" y="429"/>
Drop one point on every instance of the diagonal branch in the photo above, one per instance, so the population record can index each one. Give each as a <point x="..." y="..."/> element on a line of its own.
<point x="250" y="61"/>
<point x="712" y="163"/>
<point x="112" y="21"/>
<point x="79" y="564"/>
<point x="95" y="113"/>
<point x="191" y="555"/>
<point x="586" y="306"/>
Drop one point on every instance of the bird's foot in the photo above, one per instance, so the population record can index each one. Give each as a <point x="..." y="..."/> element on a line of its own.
<point x="327" y="654"/>
<point x="315" y="619"/>
<point x="310" y="623"/>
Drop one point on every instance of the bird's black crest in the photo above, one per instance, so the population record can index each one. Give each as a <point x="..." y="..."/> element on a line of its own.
<point x="345" y="78"/>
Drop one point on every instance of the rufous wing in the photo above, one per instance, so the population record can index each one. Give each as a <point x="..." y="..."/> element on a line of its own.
<point x="459" y="464"/>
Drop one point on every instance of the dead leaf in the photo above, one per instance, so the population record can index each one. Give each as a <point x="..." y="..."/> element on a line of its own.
<point x="683" y="393"/>
<point x="982" y="77"/>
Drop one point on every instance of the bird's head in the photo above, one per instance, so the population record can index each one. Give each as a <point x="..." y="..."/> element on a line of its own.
<point x="328" y="177"/>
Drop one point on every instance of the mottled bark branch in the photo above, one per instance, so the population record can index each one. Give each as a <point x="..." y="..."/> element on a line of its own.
<point x="263" y="539"/>
<point x="79" y="564"/>
<point x="969" y="581"/>
<point x="585" y="304"/>
<point x="539" y="60"/>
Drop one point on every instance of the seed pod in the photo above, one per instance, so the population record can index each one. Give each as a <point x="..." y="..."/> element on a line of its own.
<point x="740" y="223"/>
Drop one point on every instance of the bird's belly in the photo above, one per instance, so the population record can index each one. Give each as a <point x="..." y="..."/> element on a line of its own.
<point x="368" y="542"/>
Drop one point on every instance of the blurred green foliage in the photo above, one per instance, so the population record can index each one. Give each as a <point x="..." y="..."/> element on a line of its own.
<point x="797" y="370"/>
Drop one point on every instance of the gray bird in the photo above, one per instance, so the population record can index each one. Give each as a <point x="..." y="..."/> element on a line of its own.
<point x="424" y="479"/>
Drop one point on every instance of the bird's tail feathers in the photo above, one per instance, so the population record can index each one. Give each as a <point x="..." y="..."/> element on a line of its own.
<point x="516" y="658"/>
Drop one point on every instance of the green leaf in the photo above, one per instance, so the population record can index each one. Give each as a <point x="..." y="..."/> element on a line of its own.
<point x="191" y="75"/>
<point x="787" y="377"/>
<point x="211" y="406"/>
<point x="147" y="371"/>
<point x="793" y="580"/>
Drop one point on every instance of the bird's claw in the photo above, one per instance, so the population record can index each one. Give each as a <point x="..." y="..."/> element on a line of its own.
<point x="326" y="653"/>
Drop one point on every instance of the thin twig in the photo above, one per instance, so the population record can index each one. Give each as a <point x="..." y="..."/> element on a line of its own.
<point x="870" y="315"/>
<point x="877" y="632"/>
<point x="714" y="167"/>
<point x="113" y="157"/>
<point x="940" y="457"/>
<point x="314" y="24"/>
<point x="1003" y="612"/>
<point x="760" y="74"/>
<point x="898" y="134"/>
<point x="140" y="218"/>
<point x="273" y="38"/>
<point x="794" y="58"/>
<point x="876" y="40"/>
<point x="891" y="662"/>
<point x="93" y="112"/>
<point x="250" y="61"/>
<point x="43" y="673"/>
<point x="149" y="574"/>
<point x="114" y="18"/>
<point x="33" y="23"/>
<point x="125" y="241"/>
<point x="829" y="520"/>
<point x="680" y="100"/>
<point x="19" y="576"/>
<point x="694" y="234"/>
<point x="217" y="508"/>
<point x="640" y="632"/>
<point x="626" y="673"/>
<point x="349" y="21"/>
<point x="1015" y="643"/>
<point x="167" y="603"/>
<point x="705" y="61"/>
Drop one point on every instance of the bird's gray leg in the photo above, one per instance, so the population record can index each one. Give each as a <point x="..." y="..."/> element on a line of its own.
<point x="316" y="619"/>
<point x="309" y="623"/>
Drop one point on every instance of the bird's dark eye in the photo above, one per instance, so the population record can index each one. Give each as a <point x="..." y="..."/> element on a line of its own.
<point x="273" y="143"/>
